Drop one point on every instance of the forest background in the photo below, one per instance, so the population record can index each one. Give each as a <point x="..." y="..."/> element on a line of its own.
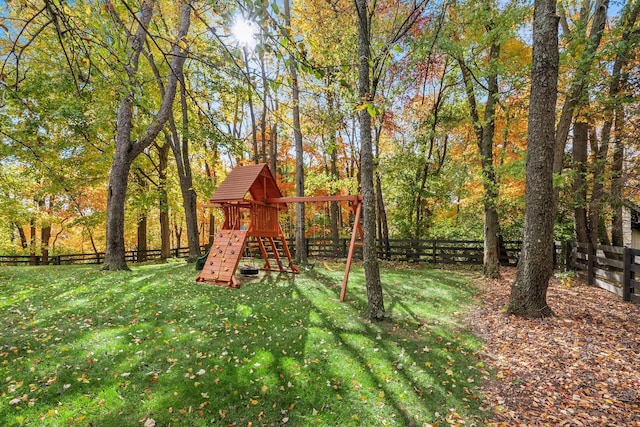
<point x="449" y="106"/>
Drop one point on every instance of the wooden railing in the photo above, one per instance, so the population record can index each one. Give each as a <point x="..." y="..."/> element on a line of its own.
<point x="89" y="258"/>
<point x="434" y="251"/>
<point x="613" y="268"/>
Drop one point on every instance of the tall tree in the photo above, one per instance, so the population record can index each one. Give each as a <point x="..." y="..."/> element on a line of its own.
<point x="485" y="132"/>
<point x="529" y="290"/>
<point x="369" y="250"/>
<point x="126" y="148"/>
<point x="301" y="253"/>
<point x="628" y="43"/>
<point x="575" y="96"/>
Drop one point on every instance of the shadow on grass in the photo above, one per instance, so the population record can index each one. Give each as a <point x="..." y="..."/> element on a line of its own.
<point x="81" y="345"/>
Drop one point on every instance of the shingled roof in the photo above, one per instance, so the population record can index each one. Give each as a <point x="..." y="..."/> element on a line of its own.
<point x="253" y="182"/>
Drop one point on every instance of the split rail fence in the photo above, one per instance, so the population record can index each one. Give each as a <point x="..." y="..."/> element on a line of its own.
<point x="436" y="251"/>
<point x="613" y="268"/>
<point x="88" y="258"/>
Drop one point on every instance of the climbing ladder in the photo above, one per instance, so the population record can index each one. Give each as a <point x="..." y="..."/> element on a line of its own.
<point x="224" y="256"/>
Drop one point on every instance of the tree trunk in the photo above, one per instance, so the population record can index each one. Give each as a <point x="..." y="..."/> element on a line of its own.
<point x="579" y="160"/>
<point x="163" y="204"/>
<point x="127" y="150"/>
<point x="177" y="231"/>
<point x="45" y="236"/>
<point x="383" y="226"/>
<point x="252" y="113"/>
<point x="371" y="268"/>
<point x="485" y="132"/>
<point x="24" y="243"/>
<point x="142" y="238"/>
<point x="619" y="79"/>
<point x="334" y="210"/>
<point x="183" y="162"/>
<point x="273" y="149"/>
<point x="529" y="290"/>
<point x="597" y="201"/>
<point x="213" y="178"/>
<point x="32" y="241"/>
<point x="617" y="182"/>
<point x="301" y="250"/>
<point x="491" y="263"/>
<point x="114" y="258"/>
<point x="579" y="83"/>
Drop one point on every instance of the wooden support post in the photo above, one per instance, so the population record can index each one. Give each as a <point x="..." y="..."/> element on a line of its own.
<point x="352" y="244"/>
<point x="626" y="275"/>
<point x="435" y="252"/>
<point x="287" y="252"/>
<point x="591" y="254"/>
<point x="263" y="251"/>
<point x="276" y="255"/>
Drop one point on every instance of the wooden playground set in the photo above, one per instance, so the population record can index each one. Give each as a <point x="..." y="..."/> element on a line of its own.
<point x="251" y="202"/>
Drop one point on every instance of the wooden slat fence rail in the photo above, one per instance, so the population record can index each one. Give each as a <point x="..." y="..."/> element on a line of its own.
<point x="613" y="268"/>
<point x="433" y="251"/>
<point x="88" y="258"/>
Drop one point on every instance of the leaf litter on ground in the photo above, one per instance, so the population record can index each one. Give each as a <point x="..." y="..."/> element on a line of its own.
<point x="577" y="368"/>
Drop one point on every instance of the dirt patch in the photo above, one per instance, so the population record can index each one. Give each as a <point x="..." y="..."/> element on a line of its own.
<point x="578" y="368"/>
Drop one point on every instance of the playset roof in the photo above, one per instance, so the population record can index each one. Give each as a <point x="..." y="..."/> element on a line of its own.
<point x="255" y="181"/>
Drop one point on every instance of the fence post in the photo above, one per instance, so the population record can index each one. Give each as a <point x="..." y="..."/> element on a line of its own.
<point x="435" y="250"/>
<point x="591" y="254"/>
<point x="626" y="275"/>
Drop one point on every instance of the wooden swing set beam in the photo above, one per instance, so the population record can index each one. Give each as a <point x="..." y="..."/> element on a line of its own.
<point x="350" y="198"/>
<point x="356" y="206"/>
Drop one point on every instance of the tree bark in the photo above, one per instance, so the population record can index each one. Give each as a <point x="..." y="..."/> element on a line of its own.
<point x="578" y="85"/>
<point x="334" y="209"/>
<point x="127" y="150"/>
<point x="491" y="263"/>
<point x="371" y="268"/>
<point x="23" y="236"/>
<point x="579" y="160"/>
<point x="163" y="204"/>
<point x="618" y="82"/>
<point x="32" y="241"/>
<point x="617" y="182"/>
<point x="45" y="236"/>
<point x="301" y="250"/>
<point x="485" y="132"/>
<point x="180" y="149"/>
<point x="142" y="238"/>
<point x="529" y="290"/>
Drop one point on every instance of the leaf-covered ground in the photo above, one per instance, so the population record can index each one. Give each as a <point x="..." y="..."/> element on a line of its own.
<point x="579" y="368"/>
<point x="151" y="347"/>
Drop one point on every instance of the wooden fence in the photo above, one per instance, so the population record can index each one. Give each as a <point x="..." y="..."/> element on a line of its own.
<point x="433" y="251"/>
<point x="613" y="268"/>
<point x="88" y="258"/>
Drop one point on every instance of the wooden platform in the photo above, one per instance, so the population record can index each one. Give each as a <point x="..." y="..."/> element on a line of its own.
<point x="223" y="259"/>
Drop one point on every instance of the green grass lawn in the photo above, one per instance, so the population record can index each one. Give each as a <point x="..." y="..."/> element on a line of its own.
<point x="80" y="346"/>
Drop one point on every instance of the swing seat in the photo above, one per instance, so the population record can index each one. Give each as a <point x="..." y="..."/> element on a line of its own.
<point x="249" y="271"/>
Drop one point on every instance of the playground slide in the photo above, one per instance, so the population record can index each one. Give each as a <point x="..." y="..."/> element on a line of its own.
<point x="224" y="256"/>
